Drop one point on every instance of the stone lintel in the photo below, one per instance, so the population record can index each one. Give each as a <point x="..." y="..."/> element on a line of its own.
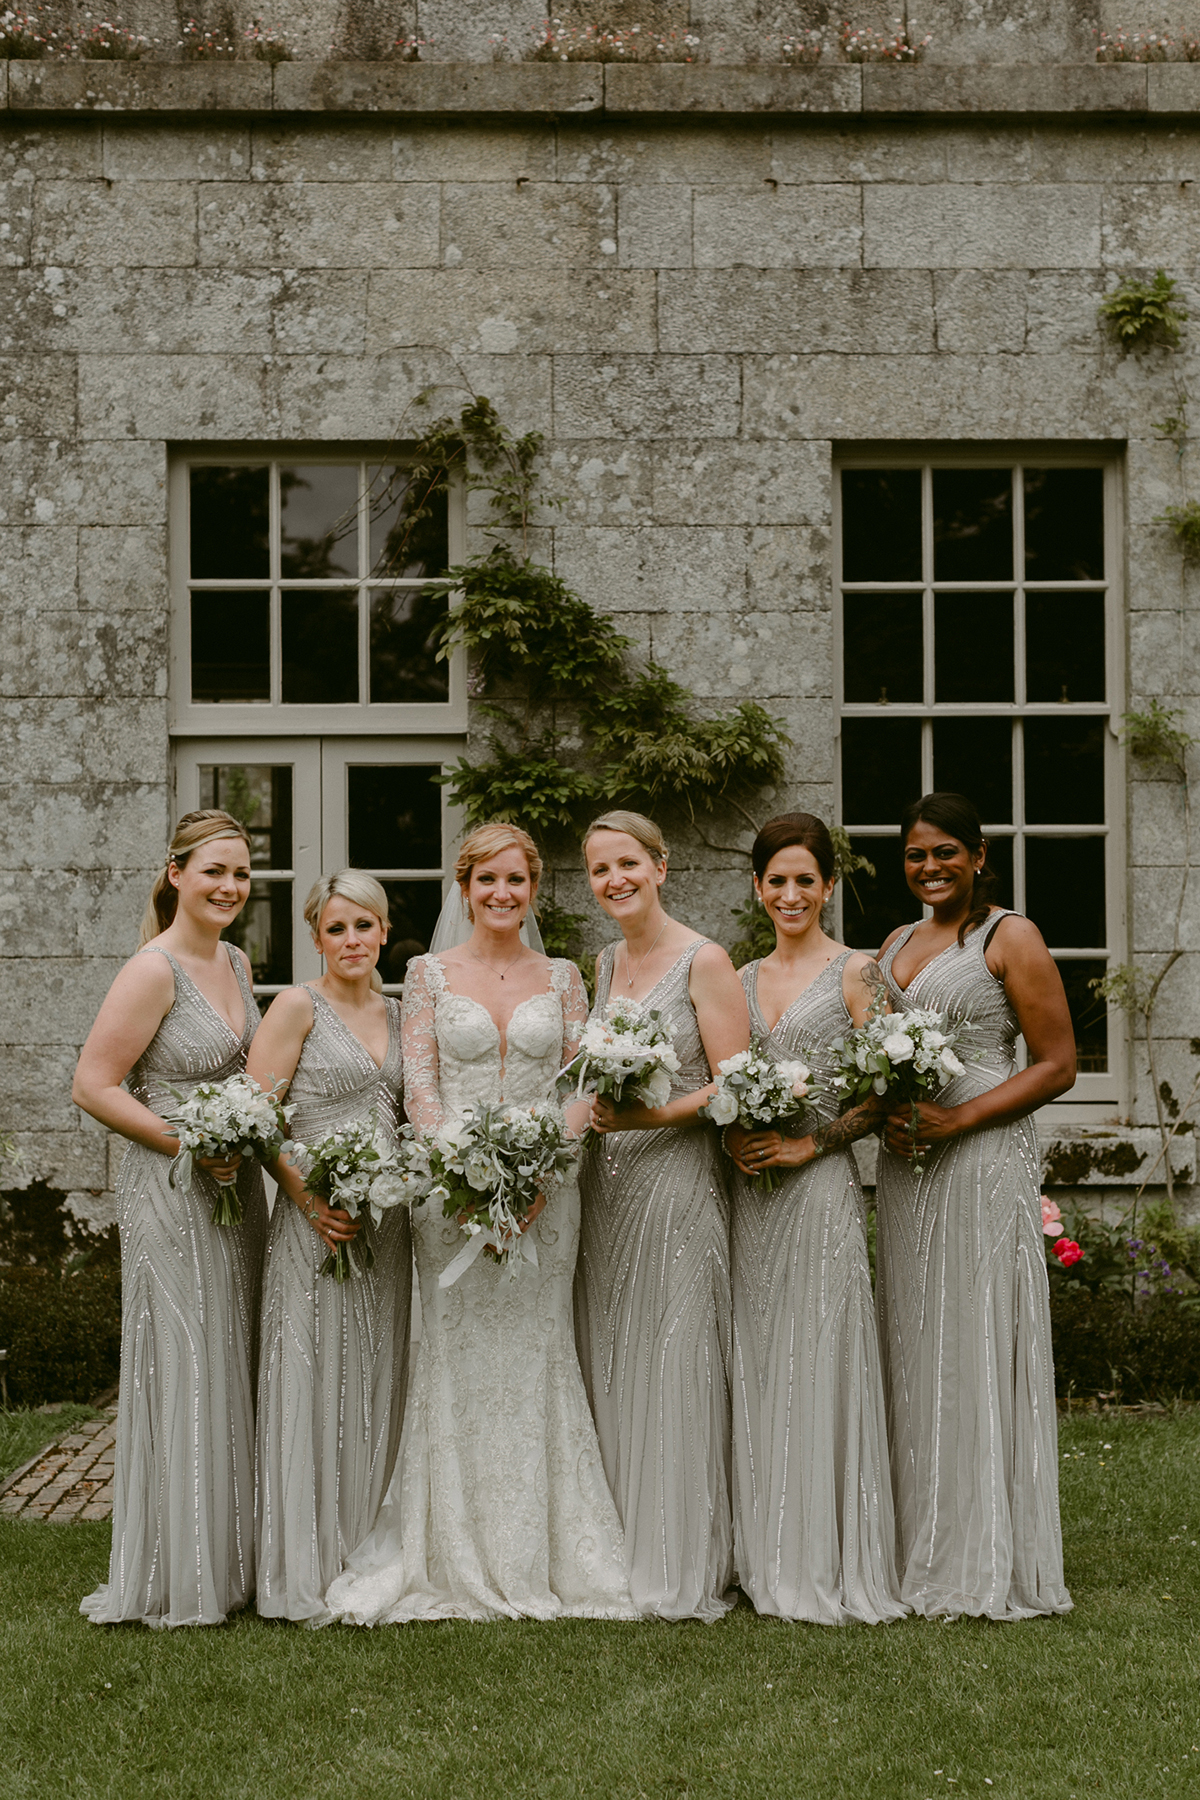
<point x="1055" y="89"/>
<point x="139" y="87"/>
<point x="641" y="88"/>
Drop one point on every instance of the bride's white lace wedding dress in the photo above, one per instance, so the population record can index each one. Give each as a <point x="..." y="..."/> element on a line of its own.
<point x="498" y="1507"/>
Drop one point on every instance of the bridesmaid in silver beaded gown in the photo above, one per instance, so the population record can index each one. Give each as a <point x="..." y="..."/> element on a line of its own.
<point x="652" y="1300"/>
<point x="183" y="1493"/>
<point x="962" y="1290"/>
<point x="334" y="1354"/>
<point x="812" y="1503"/>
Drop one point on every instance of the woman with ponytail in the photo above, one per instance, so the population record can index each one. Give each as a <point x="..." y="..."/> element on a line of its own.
<point x="334" y="1354"/>
<point x="181" y="1012"/>
<point x="962" y="1296"/>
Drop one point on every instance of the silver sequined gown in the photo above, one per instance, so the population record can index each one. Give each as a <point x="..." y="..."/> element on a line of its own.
<point x="964" y="1315"/>
<point x="183" y="1494"/>
<point x="334" y="1354"/>
<point x="812" y="1500"/>
<point x="652" y="1311"/>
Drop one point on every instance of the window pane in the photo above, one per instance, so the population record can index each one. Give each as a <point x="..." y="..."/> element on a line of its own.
<point x="260" y="795"/>
<point x="403" y="661"/>
<point x="1064" y="890"/>
<point x="873" y="905"/>
<point x="320" y="646"/>
<point x="319" y="520"/>
<point x="1064" y="771"/>
<point x="1064" y="524"/>
<point x="230" y="514"/>
<point x="231" y="646"/>
<point x="881" y="769"/>
<point x="974" y="757"/>
<point x="1089" y="1015"/>
<point x="972" y="525"/>
<point x="414" y="907"/>
<point x="1000" y="861"/>
<point x="395" y="816"/>
<point x="973" y="647"/>
<point x="263" y="929"/>
<point x="1064" y="646"/>
<point x="881" y="639"/>
<point x="402" y="545"/>
<point x="881" y="524"/>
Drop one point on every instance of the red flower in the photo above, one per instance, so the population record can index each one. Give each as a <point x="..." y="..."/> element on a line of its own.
<point x="1067" y="1251"/>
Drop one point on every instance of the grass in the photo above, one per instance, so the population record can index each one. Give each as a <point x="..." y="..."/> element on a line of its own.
<point x="24" y="1432"/>
<point x="1100" y="1703"/>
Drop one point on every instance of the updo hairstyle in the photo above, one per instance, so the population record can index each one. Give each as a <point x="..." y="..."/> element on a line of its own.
<point x="801" y="829"/>
<point x="633" y="824"/>
<point x="353" y="885"/>
<point x="489" y="840"/>
<point x="955" y="815"/>
<point x="194" y="830"/>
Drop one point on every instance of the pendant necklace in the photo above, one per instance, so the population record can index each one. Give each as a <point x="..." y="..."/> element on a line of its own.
<point x="649" y="953"/>
<point x="502" y="972"/>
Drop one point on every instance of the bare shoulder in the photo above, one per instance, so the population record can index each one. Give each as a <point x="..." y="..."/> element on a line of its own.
<point x="293" y="1007"/>
<point x="711" y="959"/>
<point x="147" y="977"/>
<point x="1014" y="942"/>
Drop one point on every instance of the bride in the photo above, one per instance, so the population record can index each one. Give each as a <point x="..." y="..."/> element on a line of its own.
<point x="499" y="1506"/>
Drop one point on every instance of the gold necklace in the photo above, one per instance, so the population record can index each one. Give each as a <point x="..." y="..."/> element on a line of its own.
<point x="649" y="953"/>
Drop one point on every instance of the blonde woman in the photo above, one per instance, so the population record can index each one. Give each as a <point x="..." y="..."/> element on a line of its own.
<point x="499" y="1507"/>
<point x="180" y="1012"/>
<point x="334" y="1354"/>
<point x="653" y="1290"/>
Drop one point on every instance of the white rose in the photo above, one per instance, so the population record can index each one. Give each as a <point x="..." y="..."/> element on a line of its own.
<point x="898" y="1048"/>
<point x="656" y="1088"/>
<point x="723" y="1107"/>
<point x="950" y="1063"/>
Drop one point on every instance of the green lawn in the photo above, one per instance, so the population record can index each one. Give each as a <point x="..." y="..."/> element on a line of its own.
<point x="23" y="1433"/>
<point x="1103" y="1702"/>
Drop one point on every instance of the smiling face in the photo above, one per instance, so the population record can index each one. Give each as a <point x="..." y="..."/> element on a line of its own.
<point x="350" y="938"/>
<point x="939" y="868"/>
<point x="793" y="890"/>
<point x="214" y="883"/>
<point x="499" y="890"/>
<point x="625" y="877"/>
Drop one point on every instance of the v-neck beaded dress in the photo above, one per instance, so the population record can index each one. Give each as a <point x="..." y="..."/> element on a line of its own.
<point x="652" y="1313"/>
<point x="498" y="1507"/>
<point x="812" y="1499"/>
<point x="334" y="1354"/>
<point x="964" y="1317"/>
<point x="183" y="1492"/>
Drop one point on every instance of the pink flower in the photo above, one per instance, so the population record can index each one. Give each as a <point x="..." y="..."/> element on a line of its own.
<point x="1067" y="1251"/>
<point x="1051" y="1217"/>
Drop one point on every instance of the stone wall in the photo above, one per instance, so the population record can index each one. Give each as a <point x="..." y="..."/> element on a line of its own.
<point x="694" y="309"/>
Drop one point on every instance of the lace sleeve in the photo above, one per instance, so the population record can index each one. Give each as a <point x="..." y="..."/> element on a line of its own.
<point x="419" y="1039"/>
<point x="574" y="1008"/>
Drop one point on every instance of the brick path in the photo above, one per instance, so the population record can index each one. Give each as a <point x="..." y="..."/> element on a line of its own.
<point x="72" y="1479"/>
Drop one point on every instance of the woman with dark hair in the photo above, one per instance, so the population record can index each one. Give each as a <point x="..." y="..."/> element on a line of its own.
<point x="812" y="1502"/>
<point x="963" y="1299"/>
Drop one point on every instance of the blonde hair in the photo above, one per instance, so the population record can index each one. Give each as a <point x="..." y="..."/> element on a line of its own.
<point x="194" y="830"/>
<point x="634" y="825"/>
<point x="489" y="840"/>
<point x="348" y="884"/>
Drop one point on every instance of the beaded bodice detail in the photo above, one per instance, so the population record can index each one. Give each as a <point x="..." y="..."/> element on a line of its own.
<point x="337" y="1077"/>
<point x="194" y="1042"/>
<point x="958" y="983"/>
<point x="671" y="998"/>
<point x="804" y="1031"/>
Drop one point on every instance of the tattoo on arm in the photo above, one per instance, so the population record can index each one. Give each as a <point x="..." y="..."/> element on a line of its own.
<point x="873" y="980"/>
<point x="840" y="1133"/>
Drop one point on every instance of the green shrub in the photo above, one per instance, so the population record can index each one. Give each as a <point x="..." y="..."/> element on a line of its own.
<point x="62" y="1333"/>
<point x="1102" y="1345"/>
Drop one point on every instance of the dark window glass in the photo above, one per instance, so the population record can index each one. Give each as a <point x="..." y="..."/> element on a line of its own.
<point x="1064" y="646"/>
<point x="881" y="638"/>
<point x="972" y="525"/>
<point x="263" y="929"/>
<point x="974" y="757"/>
<point x="1000" y="862"/>
<point x="410" y="534"/>
<point x="260" y="795"/>
<point x="414" y="907"/>
<point x="1064" y="771"/>
<point x="230" y="512"/>
<point x="404" y="663"/>
<point x="1089" y="1015"/>
<point x="320" y="646"/>
<point x="1064" y="890"/>
<point x="973" y="647"/>
<point x="873" y="905"/>
<point x="881" y="769"/>
<point x="395" y="816"/>
<point x="231" y="646"/>
<point x="881" y="524"/>
<point x="319" y="520"/>
<point x="1064" y="524"/>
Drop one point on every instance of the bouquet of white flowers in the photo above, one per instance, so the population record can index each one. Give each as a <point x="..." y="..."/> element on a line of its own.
<point x="759" y="1093"/>
<point x="351" y="1169"/>
<point x="234" y="1117"/>
<point x="488" y="1170"/>
<point x="907" y="1055"/>
<point x="628" y="1055"/>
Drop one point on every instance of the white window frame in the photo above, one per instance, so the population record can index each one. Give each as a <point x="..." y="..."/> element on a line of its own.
<point x="1094" y="1096"/>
